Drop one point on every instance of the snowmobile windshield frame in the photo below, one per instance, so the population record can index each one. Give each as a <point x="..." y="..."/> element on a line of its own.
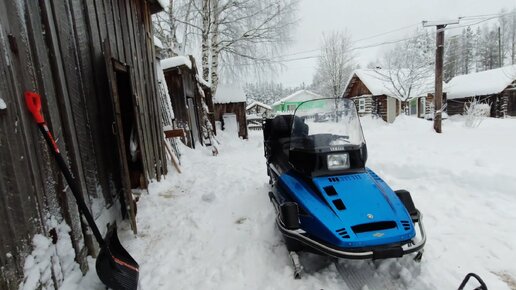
<point x="326" y="125"/>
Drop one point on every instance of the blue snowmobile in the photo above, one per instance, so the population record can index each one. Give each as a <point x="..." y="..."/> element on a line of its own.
<point x="327" y="201"/>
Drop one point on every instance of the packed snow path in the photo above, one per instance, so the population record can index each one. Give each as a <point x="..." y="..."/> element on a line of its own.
<point x="212" y="227"/>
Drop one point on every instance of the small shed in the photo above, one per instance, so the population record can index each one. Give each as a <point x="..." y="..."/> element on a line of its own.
<point x="229" y="103"/>
<point x="189" y="98"/>
<point x="496" y="87"/>
<point x="258" y="109"/>
<point x="255" y="112"/>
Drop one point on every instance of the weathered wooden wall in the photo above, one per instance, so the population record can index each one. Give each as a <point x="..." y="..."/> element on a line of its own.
<point x="511" y="102"/>
<point x="239" y="110"/>
<point x="370" y="105"/>
<point x="56" y="48"/>
<point x="356" y="88"/>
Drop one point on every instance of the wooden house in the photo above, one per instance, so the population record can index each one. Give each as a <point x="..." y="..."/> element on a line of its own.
<point x="93" y="64"/>
<point x="375" y="92"/>
<point x="190" y="98"/>
<point x="289" y="103"/>
<point x="229" y="103"/>
<point x="496" y="87"/>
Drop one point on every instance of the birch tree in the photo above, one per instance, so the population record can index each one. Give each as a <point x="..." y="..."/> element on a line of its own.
<point x="233" y="36"/>
<point x="335" y="64"/>
<point x="409" y="67"/>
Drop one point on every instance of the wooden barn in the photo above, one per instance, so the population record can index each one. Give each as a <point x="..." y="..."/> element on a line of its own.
<point x="496" y="87"/>
<point x="93" y="64"/>
<point x="191" y="100"/>
<point x="230" y="107"/>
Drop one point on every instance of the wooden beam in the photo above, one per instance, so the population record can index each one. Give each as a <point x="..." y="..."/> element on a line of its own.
<point x="174" y="133"/>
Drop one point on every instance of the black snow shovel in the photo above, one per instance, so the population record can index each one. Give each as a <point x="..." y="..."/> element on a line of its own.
<point x="115" y="267"/>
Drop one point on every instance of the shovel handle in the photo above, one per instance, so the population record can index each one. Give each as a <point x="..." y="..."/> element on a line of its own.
<point x="33" y="102"/>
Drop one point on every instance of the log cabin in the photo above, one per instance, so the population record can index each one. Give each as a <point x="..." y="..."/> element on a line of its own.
<point x="381" y="92"/>
<point x="496" y="87"/>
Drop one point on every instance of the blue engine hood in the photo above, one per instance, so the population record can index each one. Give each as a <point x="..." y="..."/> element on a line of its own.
<point x="345" y="201"/>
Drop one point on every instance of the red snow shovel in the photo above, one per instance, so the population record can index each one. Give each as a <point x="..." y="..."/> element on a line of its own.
<point x="115" y="267"/>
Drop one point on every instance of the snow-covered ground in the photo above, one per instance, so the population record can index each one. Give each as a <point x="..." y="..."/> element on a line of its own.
<point x="212" y="227"/>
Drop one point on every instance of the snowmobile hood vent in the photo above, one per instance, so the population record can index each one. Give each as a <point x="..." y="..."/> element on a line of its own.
<point x="374" y="176"/>
<point x="371" y="227"/>
<point x="343" y="233"/>
<point x="406" y="225"/>
<point x="345" y="178"/>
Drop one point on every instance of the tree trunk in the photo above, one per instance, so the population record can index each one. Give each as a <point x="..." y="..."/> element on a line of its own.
<point x="215" y="51"/>
<point x="205" y="46"/>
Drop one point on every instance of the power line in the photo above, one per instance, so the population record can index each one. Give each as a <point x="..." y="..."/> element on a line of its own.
<point x="489" y="17"/>
<point x="354" y="41"/>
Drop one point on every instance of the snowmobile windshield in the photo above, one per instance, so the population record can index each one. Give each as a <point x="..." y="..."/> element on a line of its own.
<point x="326" y="125"/>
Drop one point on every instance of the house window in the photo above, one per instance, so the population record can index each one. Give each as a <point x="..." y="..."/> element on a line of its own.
<point x="361" y="105"/>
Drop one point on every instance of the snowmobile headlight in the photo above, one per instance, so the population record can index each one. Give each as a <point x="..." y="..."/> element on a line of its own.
<point x="338" y="161"/>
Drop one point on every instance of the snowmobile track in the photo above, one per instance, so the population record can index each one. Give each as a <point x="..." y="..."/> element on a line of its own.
<point x="364" y="275"/>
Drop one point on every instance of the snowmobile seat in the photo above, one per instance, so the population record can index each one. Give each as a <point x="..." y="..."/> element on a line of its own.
<point x="280" y="130"/>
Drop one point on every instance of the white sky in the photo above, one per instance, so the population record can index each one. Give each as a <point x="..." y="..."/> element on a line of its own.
<point x="365" y="18"/>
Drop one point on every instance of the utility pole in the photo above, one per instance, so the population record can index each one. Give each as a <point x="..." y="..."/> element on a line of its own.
<point x="439" y="55"/>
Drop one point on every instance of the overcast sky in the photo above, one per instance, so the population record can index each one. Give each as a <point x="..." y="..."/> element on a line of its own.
<point x="365" y="18"/>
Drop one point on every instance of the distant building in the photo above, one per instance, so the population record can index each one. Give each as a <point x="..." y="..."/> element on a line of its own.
<point x="258" y="109"/>
<point x="290" y="103"/>
<point x="230" y="108"/>
<point x="496" y="87"/>
<point x="255" y="112"/>
<point x="374" y="93"/>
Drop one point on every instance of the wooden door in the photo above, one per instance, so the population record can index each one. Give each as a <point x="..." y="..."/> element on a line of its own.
<point x="117" y="127"/>
<point x="391" y="109"/>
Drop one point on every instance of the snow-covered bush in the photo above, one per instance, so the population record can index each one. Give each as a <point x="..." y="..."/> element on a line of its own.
<point x="475" y="113"/>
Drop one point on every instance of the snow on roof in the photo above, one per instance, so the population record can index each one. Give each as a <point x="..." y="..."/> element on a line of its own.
<point x="163" y="3"/>
<point x="229" y="93"/>
<point x="299" y="96"/>
<point x="176" y="61"/>
<point x="202" y="81"/>
<point x="158" y="42"/>
<point x="481" y="83"/>
<point x="378" y="82"/>
<point x="256" y="103"/>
